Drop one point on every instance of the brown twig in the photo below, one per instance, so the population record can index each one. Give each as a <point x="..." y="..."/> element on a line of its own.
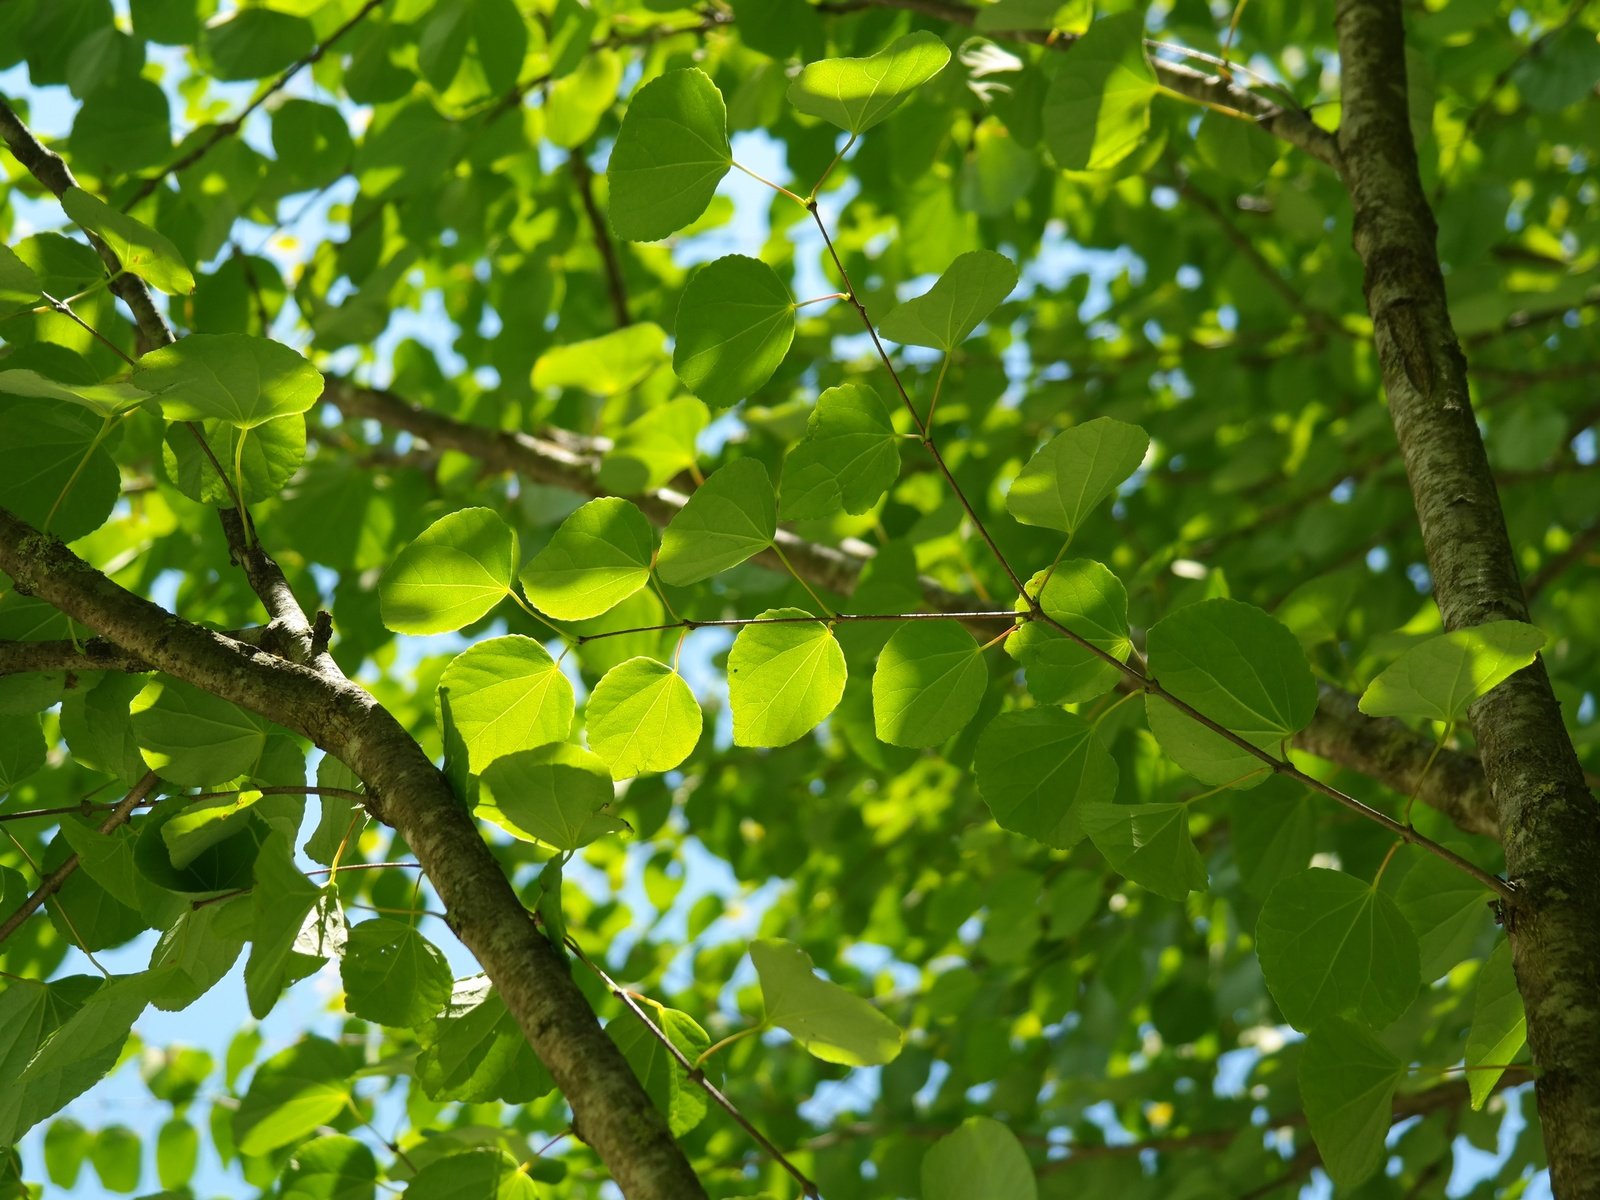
<point x="616" y="284"/>
<point x="52" y="883"/>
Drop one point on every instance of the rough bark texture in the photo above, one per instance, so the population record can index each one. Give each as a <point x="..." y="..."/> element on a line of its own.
<point x="611" y="1111"/>
<point x="1548" y="820"/>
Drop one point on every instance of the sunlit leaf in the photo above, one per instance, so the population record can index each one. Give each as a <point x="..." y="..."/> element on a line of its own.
<point x="832" y="1023"/>
<point x="1443" y="676"/>
<point x="856" y="93"/>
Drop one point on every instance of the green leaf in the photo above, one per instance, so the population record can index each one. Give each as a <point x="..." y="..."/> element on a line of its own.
<point x="283" y="903"/>
<point x="194" y="738"/>
<point x="177" y="1153"/>
<point x="1499" y="1025"/>
<point x="735" y="323"/>
<point x="1040" y="770"/>
<point x="833" y="1024"/>
<point x="652" y="449"/>
<point x="555" y="795"/>
<point x="255" y="42"/>
<point x="141" y="250"/>
<point x="683" y="1103"/>
<point x="195" y="952"/>
<point x="477" y="1052"/>
<point x="1088" y="599"/>
<point x="1098" y="107"/>
<point x="971" y="288"/>
<point x="729" y="518"/>
<point x="1332" y="945"/>
<point x="1239" y="667"/>
<point x="1448" y="912"/>
<point x="929" y="682"/>
<point x="334" y="1167"/>
<point x="598" y="558"/>
<point x="642" y="717"/>
<point x="607" y="365"/>
<point x="292" y="1093"/>
<point x="454" y="572"/>
<point x="1347" y="1083"/>
<point x="246" y="381"/>
<point x="1441" y="678"/>
<point x="22" y="749"/>
<point x="55" y="472"/>
<point x="270" y="455"/>
<point x="1149" y="844"/>
<point x="670" y="154"/>
<point x="1074" y="471"/>
<point x="393" y="975"/>
<point x="783" y="679"/>
<point x="204" y="823"/>
<point x="980" y="1158"/>
<point x="19" y="286"/>
<point x="77" y="1055"/>
<point x="482" y="1173"/>
<point x="505" y="694"/>
<point x="849" y="458"/>
<point x="856" y="93"/>
<point x="106" y="399"/>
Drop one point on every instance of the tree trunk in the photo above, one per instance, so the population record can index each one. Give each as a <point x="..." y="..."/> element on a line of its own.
<point x="1548" y="820"/>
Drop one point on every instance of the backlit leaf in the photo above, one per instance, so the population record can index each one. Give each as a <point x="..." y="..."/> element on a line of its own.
<point x="642" y="717"/>
<point x="730" y="517"/>
<point x="392" y="974"/>
<point x="1347" y="1083"/>
<point x="849" y="458"/>
<point x="1098" y="107"/>
<point x="1242" y="669"/>
<point x="832" y="1023"/>
<point x="1149" y="844"/>
<point x="141" y="250"/>
<point x="980" y="1158"/>
<point x="506" y="694"/>
<point x="246" y="381"/>
<point x="970" y="289"/>
<point x="856" y="93"/>
<point x="1499" y="1025"/>
<point x="783" y="678"/>
<point x="1085" y="597"/>
<point x="453" y="572"/>
<point x="555" y="795"/>
<point x="1443" y="676"/>
<point x="1074" y="471"/>
<point x="598" y="557"/>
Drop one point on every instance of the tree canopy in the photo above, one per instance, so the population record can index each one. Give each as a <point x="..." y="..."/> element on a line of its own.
<point x="825" y="598"/>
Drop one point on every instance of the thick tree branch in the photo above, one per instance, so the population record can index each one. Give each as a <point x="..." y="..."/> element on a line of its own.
<point x="405" y="790"/>
<point x="53" y="882"/>
<point x="1386" y="751"/>
<point x="51" y="170"/>
<point x="1293" y="125"/>
<point x="1392" y="752"/>
<point x="1548" y="820"/>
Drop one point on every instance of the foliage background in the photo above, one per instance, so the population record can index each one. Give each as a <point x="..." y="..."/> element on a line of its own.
<point x="1204" y="289"/>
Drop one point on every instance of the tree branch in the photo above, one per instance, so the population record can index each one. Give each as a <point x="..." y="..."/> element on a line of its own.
<point x="407" y="791"/>
<point x="1293" y="125"/>
<point x="1548" y="820"/>
<point x="51" y="170"/>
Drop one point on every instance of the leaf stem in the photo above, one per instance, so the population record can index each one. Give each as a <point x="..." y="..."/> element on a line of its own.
<point x="828" y="170"/>
<point x="800" y="200"/>
<point x="707" y="1054"/>
<point x="798" y="578"/>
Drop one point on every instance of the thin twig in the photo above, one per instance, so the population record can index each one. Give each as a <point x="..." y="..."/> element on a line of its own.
<point x="616" y="284"/>
<point x="233" y="124"/>
<point x="52" y="883"/>
<point x="695" y="1074"/>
